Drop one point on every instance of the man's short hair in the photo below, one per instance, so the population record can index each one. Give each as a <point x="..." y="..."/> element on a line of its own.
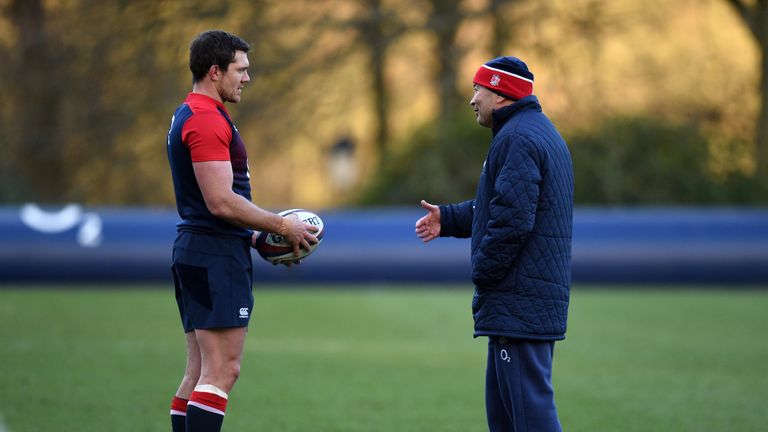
<point x="213" y="47"/>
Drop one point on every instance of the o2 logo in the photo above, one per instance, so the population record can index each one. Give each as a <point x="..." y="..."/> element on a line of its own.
<point x="71" y="216"/>
<point x="505" y="356"/>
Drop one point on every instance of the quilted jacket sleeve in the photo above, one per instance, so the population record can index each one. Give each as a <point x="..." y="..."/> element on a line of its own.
<point x="512" y="212"/>
<point x="456" y="219"/>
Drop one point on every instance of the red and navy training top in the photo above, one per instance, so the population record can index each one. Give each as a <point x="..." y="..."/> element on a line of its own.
<point x="202" y="131"/>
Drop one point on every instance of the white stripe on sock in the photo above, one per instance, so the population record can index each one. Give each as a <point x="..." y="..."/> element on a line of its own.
<point x="206" y="408"/>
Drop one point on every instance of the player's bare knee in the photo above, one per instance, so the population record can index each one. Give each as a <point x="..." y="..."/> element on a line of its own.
<point x="227" y="373"/>
<point x="234" y="371"/>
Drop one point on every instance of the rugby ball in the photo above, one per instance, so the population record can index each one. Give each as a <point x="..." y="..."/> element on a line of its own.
<point x="275" y="249"/>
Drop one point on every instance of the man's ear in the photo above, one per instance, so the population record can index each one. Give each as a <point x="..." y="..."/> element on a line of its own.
<point x="214" y="73"/>
<point x="500" y="100"/>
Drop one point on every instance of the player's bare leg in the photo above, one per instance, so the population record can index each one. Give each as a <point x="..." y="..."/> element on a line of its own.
<point x="220" y="353"/>
<point x="192" y="372"/>
<point x="188" y="383"/>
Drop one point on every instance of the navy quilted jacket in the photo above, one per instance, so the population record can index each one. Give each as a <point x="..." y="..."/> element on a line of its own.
<point x="520" y="222"/>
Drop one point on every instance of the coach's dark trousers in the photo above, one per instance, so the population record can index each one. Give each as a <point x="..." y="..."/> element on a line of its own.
<point x="518" y="386"/>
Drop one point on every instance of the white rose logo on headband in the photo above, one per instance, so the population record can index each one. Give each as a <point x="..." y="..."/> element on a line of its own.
<point x="495" y="80"/>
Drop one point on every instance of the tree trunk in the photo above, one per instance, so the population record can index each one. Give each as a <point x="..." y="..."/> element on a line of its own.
<point x="501" y="32"/>
<point x="762" y="125"/>
<point x="37" y="99"/>
<point x="755" y="17"/>
<point x="375" y="40"/>
<point x="444" y="23"/>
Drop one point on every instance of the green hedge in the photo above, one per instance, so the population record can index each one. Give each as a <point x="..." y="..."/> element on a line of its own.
<point x="625" y="161"/>
<point x="636" y="160"/>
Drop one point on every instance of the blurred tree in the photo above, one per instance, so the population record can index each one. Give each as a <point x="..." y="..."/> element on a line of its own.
<point x="380" y="25"/>
<point x="89" y="87"/>
<point x="643" y="160"/>
<point x="34" y="129"/>
<point x="755" y="16"/>
<point x="125" y="81"/>
<point x="441" y="163"/>
<point x="443" y="24"/>
<point x="442" y="156"/>
<point x="501" y="36"/>
<point x="378" y="28"/>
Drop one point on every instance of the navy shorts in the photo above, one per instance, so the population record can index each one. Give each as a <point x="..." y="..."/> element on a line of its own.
<point x="518" y="386"/>
<point x="213" y="276"/>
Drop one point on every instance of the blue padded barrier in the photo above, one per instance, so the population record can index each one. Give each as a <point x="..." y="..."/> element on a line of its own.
<point x="622" y="245"/>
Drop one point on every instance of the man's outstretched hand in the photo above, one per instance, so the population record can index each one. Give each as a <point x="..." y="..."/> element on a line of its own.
<point x="428" y="227"/>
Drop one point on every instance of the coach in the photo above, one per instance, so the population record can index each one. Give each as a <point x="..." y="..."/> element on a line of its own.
<point x="520" y="222"/>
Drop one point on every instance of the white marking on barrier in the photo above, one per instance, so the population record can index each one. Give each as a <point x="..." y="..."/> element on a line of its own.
<point x="51" y="222"/>
<point x="89" y="234"/>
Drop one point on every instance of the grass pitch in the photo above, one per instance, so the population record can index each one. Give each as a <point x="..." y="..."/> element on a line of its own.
<point x="382" y="359"/>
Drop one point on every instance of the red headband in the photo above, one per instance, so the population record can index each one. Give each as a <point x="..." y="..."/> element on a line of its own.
<point x="506" y="83"/>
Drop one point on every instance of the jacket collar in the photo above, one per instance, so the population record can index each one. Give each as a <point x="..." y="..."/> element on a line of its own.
<point x="502" y="115"/>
